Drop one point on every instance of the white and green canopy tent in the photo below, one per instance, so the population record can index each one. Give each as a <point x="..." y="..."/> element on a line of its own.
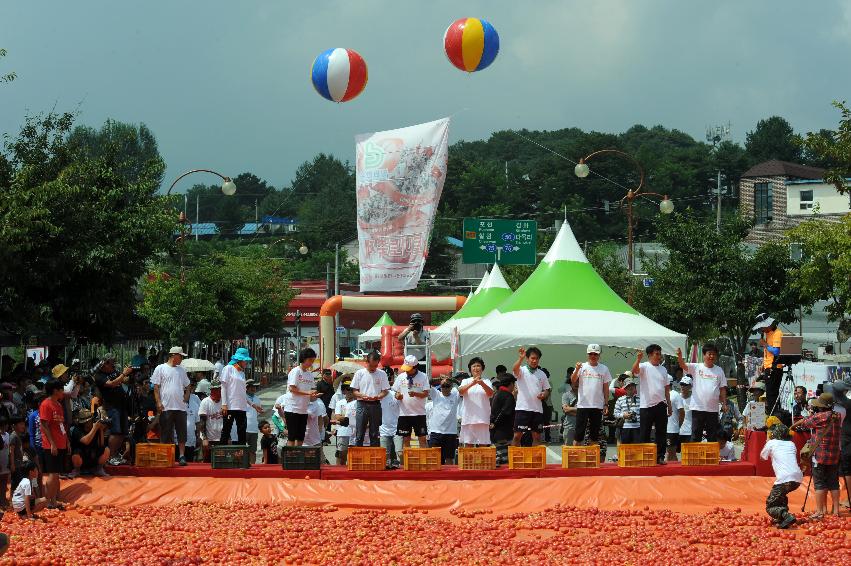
<point x="374" y="333"/>
<point x="492" y="291"/>
<point x="565" y="302"/>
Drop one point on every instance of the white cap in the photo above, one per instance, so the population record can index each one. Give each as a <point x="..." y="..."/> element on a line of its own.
<point x="686" y="380"/>
<point x="177" y="350"/>
<point x="593" y="349"/>
<point x="411" y="362"/>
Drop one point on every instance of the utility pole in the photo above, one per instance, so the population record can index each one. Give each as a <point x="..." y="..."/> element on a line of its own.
<point x="715" y="135"/>
<point x="197" y="214"/>
<point x="337" y="279"/>
<point x="718" y="215"/>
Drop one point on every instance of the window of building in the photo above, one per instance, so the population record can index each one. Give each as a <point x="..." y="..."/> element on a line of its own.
<point x="806" y="199"/>
<point x="763" y="199"/>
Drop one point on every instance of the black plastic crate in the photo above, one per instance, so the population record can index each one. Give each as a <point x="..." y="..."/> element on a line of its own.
<point x="230" y="457"/>
<point x="301" y="457"/>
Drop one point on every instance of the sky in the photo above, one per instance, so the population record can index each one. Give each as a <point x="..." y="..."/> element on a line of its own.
<point x="225" y="85"/>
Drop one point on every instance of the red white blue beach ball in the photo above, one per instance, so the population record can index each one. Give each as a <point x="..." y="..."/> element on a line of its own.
<point x="339" y="74"/>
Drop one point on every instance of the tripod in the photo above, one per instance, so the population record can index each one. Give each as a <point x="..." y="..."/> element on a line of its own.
<point x="787" y="386"/>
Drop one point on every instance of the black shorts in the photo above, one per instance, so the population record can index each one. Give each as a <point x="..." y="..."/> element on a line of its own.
<point x="51" y="464"/>
<point x="674" y="440"/>
<point x="826" y="477"/>
<point x="845" y="462"/>
<point x="417" y="423"/>
<point x="296" y="426"/>
<point x="527" y="420"/>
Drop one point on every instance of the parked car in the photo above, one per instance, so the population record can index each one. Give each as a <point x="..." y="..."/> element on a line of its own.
<point x="358" y="353"/>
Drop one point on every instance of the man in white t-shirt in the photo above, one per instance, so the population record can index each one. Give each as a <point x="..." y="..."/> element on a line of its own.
<point x="193" y="405"/>
<point x="592" y="379"/>
<point x="171" y="391"/>
<point x="411" y="390"/>
<point x="443" y="433"/>
<point x="477" y="391"/>
<point x="709" y="393"/>
<point x="674" y="422"/>
<point x="533" y="387"/>
<point x="655" y="386"/>
<point x="210" y="413"/>
<point x="788" y="476"/>
<point x="370" y="385"/>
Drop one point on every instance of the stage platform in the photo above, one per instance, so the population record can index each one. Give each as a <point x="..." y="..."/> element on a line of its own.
<point x="271" y="471"/>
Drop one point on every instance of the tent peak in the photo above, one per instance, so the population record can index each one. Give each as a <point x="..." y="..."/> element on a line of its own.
<point x="565" y="247"/>
<point x="483" y="283"/>
<point x="496" y="280"/>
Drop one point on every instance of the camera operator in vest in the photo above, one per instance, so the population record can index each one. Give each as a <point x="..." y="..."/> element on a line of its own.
<point x="772" y="373"/>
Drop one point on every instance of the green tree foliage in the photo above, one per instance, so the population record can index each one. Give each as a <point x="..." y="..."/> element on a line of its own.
<point x="325" y="189"/>
<point x="207" y="203"/>
<point x="773" y="138"/>
<point x="713" y="285"/>
<point x="222" y="296"/>
<point x="80" y="217"/>
<point x="833" y="149"/>
<point x="825" y="273"/>
<point x="8" y="77"/>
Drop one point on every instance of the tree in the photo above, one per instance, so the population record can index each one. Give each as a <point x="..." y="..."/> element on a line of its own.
<point x="326" y="213"/>
<point x="8" y="77"/>
<point x="773" y="138"/>
<point x="833" y="149"/>
<point x="80" y="228"/>
<point x="222" y="297"/>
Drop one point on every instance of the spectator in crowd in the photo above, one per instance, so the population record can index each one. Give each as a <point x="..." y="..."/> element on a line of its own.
<point x="532" y="388"/>
<point x="5" y="453"/>
<point x="685" y="394"/>
<point x="568" y="407"/>
<point x="392" y="444"/>
<point x="210" y="412"/>
<point x="502" y="416"/>
<point x="445" y="399"/>
<point x="345" y="415"/>
<point x="171" y="391"/>
<point x="89" y="452"/>
<point x="592" y="379"/>
<point x="627" y="408"/>
<point x="34" y="421"/>
<point x="800" y="408"/>
<point x="54" y="441"/>
<point x="114" y="400"/>
<point x="784" y="459"/>
<point x="727" y="451"/>
<point x="268" y="443"/>
<point x="477" y="391"/>
<point x="83" y="400"/>
<point x="369" y="385"/>
<point x="20" y="451"/>
<point x="315" y="429"/>
<point x="325" y="388"/>
<point x="411" y="389"/>
<point x="825" y="424"/>
<point x="62" y="373"/>
<point x="193" y="406"/>
<point x="500" y="369"/>
<point x="301" y="389"/>
<point x="655" y="398"/>
<point x="730" y="417"/>
<point x="23" y="498"/>
<point x="202" y="389"/>
<point x="252" y="427"/>
<point x="235" y="396"/>
<point x="140" y="358"/>
<point x="756" y="392"/>
<point x="709" y="393"/>
<point x="675" y="421"/>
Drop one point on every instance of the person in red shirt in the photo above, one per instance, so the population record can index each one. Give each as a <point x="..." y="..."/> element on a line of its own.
<point x="825" y="424"/>
<point x="54" y="440"/>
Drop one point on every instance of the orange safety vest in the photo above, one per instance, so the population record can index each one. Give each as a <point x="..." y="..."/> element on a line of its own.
<point x="772" y="338"/>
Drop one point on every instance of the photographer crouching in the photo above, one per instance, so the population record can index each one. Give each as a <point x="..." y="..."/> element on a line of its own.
<point x="89" y="452"/>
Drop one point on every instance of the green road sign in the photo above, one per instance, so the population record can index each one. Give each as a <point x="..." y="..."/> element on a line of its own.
<point x="497" y="240"/>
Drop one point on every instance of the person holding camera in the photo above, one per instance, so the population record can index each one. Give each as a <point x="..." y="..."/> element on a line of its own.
<point x="113" y="397"/>
<point x="826" y="427"/>
<point x="89" y="452"/>
<point x="627" y="412"/>
<point x="772" y="373"/>
<point x="415" y="337"/>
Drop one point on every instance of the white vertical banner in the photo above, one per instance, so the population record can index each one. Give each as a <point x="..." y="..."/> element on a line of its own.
<point x="400" y="176"/>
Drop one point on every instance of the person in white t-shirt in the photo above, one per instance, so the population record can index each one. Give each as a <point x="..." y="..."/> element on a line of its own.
<point x="252" y="426"/>
<point x="674" y="422"/>
<point x="686" y="398"/>
<point x="709" y="392"/>
<point x="171" y="390"/>
<point x="193" y="405"/>
<point x="788" y="476"/>
<point x="210" y="412"/>
<point x="443" y="431"/>
<point x="592" y="379"/>
<point x="316" y="414"/>
<point x="655" y="386"/>
<point x="23" y="501"/>
<point x="390" y="407"/>
<point x="411" y="390"/>
<point x="477" y="391"/>
<point x="235" y="396"/>
<point x="301" y="389"/>
<point x="370" y="385"/>
<point x="533" y="387"/>
<point x="345" y="410"/>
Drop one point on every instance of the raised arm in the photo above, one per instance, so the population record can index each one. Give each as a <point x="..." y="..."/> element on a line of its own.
<point x="519" y="362"/>
<point x="681" y="362"/>
<point x="636" y="365"/>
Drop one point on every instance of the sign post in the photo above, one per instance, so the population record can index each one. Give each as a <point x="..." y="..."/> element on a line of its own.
<point x="499" y="240"/>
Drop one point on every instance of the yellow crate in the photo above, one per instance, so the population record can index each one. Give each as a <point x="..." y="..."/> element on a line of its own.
<point x="701" y="453"/>
<point x="421" y="459"/>
<point x="366" y="458"/>
<point x="580" y="456"/>
<point x="636" y="455"/>
<point x="477" y="458"/>
<point x="527" y="457"/>
<point x="151" y="455"/>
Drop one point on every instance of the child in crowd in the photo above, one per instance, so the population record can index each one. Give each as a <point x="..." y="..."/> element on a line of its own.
<point x="268" y="443"/>
<point x="784" y="459"/>
<point x="728" y="452"/>
<point x="23" y="501"/>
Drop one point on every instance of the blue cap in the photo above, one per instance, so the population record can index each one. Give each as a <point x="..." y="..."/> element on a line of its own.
<point x="241" y="355"/>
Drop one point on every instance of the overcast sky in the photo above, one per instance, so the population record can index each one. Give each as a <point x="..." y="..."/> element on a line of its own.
<point x="225" y="85"/>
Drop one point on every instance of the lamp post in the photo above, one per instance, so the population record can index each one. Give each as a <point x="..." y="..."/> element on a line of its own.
<point x="228" y="189"/>
<point x="302" y="247"/>
<point x="665" y="207"/>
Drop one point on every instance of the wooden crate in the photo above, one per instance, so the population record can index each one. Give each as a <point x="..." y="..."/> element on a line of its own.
<point x="421" y="459"/>
<point x="701" y="453"/>
<point x="151" y="455"/>
<point x="580" y="456"/>
<point x="366" y="458"/>
<point x="527" y="457"/>
<point x="636" y="455"/>
<point x="477" y="458"/>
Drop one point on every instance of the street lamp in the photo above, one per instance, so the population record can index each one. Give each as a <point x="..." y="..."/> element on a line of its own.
<point x="302" y="248"/>
<point x="228" y="189"/>
<point x="665" y="207"/>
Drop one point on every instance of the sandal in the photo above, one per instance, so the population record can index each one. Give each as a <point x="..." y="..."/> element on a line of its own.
<point x="816" y="517"/>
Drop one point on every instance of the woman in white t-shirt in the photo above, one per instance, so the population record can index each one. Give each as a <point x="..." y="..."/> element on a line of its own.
<point x="592" y="379"/>
<point x="476" y="416"/>
<point x="301" y="386"/>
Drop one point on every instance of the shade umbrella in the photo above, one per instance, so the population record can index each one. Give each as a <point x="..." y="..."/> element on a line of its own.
<point x="197" y="364"/>
<point x="347" y="367"/>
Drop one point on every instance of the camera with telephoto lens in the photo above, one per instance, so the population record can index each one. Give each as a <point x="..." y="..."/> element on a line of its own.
<point x="103" y="417"/>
